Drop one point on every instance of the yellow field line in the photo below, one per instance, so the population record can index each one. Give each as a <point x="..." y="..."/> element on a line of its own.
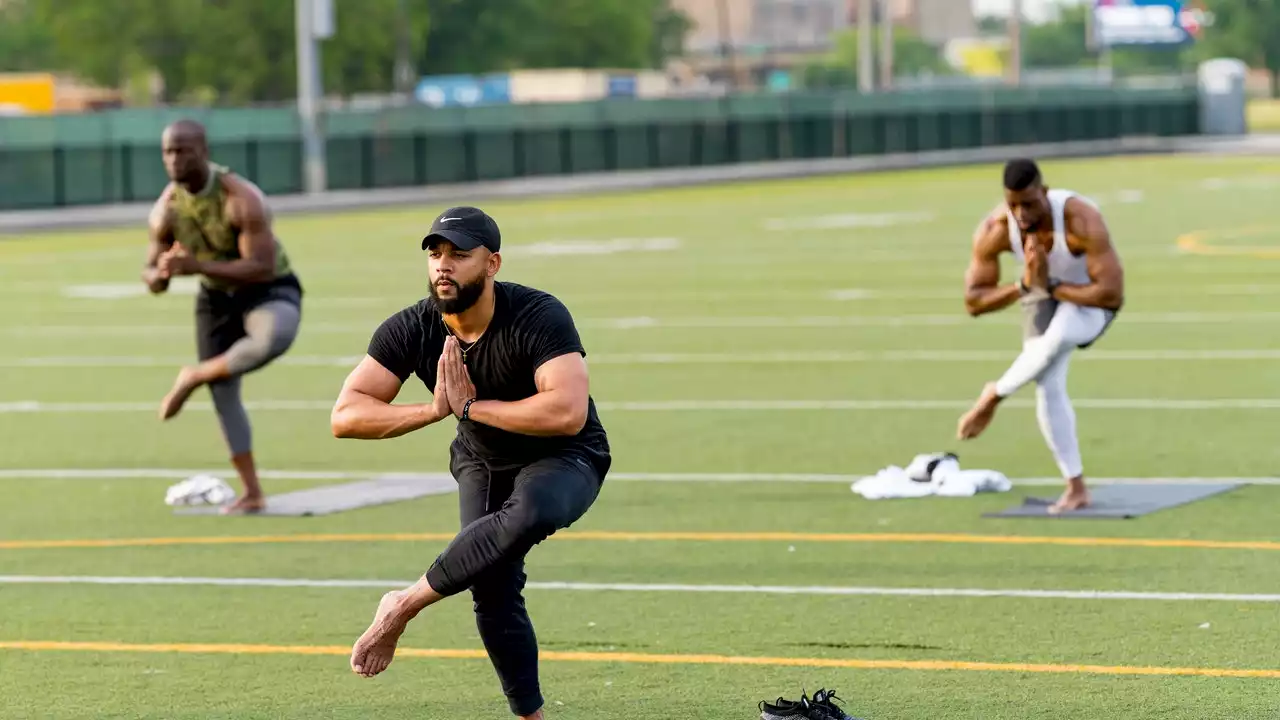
<point x="1195" y="242"/>
<point x="608" y="535"/>
<point x="647" y="658"/>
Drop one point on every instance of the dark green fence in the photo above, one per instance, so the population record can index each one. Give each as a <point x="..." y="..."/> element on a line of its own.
<point x="114" y="156"/>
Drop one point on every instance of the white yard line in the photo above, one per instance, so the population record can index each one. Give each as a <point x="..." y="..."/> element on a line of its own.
<point x="658" y="588"/>
<point x="905" y="320"/>
<point x="821" y="357"/>
<point x="844" y="479"/>
<point x="78" y="408"/>
<point x="708" y="322"/>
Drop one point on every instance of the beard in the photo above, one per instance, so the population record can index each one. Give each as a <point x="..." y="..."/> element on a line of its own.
<point x="467" y="295"/>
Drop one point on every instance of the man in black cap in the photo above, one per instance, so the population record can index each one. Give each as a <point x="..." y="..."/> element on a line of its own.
<point x="530" y="453"/>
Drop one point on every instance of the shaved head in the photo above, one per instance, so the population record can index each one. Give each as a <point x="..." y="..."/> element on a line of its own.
<point x="189" y="129"/>
<point x="186" y="154"/>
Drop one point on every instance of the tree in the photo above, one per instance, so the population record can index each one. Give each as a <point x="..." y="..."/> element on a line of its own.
<point x="25" y="44"/>
<point x="242" y="51"/>
<point x="237" y="51"/>
<point x="1064" y="43"/>
<point x="481" y="36"/>
<point x="1248" y="30"/>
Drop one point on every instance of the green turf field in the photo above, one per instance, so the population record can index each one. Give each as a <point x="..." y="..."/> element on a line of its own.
<point x="768" y="330"/>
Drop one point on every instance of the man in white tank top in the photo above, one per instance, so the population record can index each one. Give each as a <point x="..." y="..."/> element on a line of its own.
<point x="1071" y="287"/>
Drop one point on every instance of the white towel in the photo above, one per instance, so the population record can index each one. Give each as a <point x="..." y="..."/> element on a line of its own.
<point x="965" y="483"/>
<point x="199" y="490"/>
<point x="891" y="482"/>
<point x="930" y="474"/>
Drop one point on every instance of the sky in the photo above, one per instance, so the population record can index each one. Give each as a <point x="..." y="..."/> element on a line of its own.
<point x="1032" y="10"/>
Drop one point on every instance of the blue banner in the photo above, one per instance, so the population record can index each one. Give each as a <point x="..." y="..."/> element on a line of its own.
<point x="622" y="86"/>
<point x="1145" y="22"/>
<point x="463" y="90"/>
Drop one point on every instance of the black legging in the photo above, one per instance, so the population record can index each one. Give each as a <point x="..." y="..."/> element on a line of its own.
<point x="504" y="514"/>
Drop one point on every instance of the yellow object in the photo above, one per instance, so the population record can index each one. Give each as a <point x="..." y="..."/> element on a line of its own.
<point x="981" y="60"/>
<point x="27" y="93"/>
<point x="1263" y="115"/>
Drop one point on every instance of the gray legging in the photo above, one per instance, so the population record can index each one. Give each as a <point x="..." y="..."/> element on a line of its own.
<point x="270" y="329"/>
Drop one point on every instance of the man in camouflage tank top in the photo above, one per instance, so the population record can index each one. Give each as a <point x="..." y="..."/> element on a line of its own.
<point x="214" y="224"/>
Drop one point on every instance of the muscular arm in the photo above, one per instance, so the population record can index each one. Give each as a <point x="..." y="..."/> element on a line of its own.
<point x="1087" y="232"/>
<point x="364" y="411"/>
<point x="558" y="408"/>
<point x="257" y="263"/>
<point x="983" y="292"/>
<point x="160" y="232"/>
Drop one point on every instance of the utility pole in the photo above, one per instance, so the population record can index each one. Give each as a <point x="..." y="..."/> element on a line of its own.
<point x="313" y="19"/>
<point x="1015" y="44"/>
<point x="886" y="45"/>
<point x="404" y="73"/>
<point x="866" y="22"/>
<point x="726" y="50"/>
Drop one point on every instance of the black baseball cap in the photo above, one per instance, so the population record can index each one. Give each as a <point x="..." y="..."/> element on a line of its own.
<point x="466" y="227"/>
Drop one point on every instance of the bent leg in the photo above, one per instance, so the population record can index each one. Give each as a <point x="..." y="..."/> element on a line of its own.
<point x="549" y="495"/>
<point x="234" y="342"/>
<point x="270" y="330"/>
<point x="488" y="557"/>
<point x="1072" y="326"/>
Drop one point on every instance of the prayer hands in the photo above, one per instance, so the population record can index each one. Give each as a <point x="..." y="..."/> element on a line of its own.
<point x="1036" y="275"/>
<point x="176" y="261"/>
<point x="457" y="380"/>
<point x="440" y="408"/>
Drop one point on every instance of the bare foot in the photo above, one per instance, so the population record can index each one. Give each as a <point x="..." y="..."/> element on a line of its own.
<point x="375" y="649"/>
<point x="246" y="505"/>
<point x="183" y="386"/>
<point x="980" y="415"/>
<point x="1072" y="499"/>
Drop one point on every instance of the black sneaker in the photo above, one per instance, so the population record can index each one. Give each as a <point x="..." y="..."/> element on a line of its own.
<point x="786" y="710"/>
<point x="824" y="707"/>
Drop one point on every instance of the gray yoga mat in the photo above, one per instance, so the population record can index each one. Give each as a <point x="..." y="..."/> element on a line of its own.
<point x="1119" y="501"/>
<point x="347" y="496"/>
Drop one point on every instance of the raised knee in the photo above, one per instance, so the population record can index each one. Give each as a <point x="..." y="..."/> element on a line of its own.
<point x="534" y="520"/>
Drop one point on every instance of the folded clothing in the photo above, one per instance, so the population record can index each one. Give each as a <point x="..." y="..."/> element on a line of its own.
<point x="930" y="474"/>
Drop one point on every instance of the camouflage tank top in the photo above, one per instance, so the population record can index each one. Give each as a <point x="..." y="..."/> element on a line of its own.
<point x="201" y="226"/>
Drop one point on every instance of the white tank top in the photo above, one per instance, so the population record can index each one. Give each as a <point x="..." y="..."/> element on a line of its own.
<point x="1063" y="266"/>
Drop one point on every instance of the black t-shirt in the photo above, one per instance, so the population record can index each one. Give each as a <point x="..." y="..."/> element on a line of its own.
<point x="529" y="327"/>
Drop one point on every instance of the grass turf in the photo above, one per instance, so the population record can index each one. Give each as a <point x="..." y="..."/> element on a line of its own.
<point x="811" y="287"/>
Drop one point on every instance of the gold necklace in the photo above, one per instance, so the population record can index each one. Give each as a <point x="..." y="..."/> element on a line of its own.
<point x="469" y="347"/>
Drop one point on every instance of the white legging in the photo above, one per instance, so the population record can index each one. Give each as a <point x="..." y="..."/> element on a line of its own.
<point x="1044" y="359"/>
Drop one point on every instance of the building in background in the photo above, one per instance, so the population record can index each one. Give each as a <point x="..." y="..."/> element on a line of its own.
<point x="752" y="43"/>
<point x="754" y="26"/>
<point x="936" y="21"/>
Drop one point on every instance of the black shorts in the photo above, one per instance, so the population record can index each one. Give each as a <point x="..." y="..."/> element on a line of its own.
<point x="220" y="314"/>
